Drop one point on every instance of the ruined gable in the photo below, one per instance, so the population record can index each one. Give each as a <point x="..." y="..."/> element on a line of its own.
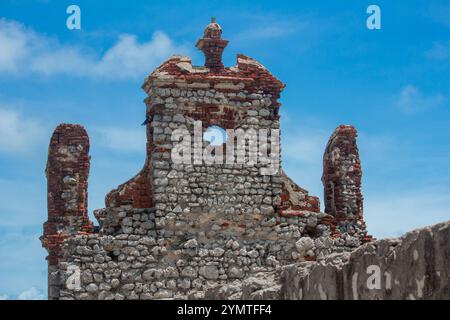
<point x="195" y="215"/>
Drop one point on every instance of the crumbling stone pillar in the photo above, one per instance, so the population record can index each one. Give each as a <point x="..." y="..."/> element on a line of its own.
<point x="342" y="175"/>
<point x="67" y="179"/>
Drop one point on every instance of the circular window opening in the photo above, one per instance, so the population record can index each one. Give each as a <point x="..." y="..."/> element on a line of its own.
<point x="215" y="135"/>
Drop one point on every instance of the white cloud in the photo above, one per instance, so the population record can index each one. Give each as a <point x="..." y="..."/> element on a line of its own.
<point x="4" y="297"/>
<point x="411" y="100"/>
<point x="25" y="51"/>
<point x="120" y="139"/>
<point x="14" y="40"/>
<point x="31" y="294"/>
<point x="18" y="133"/>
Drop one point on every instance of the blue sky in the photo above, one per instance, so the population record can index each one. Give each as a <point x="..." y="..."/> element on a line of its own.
<point x="392" y="84"/>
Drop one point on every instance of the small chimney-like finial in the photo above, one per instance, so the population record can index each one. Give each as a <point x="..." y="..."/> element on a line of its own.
<point x="212" y="45"/>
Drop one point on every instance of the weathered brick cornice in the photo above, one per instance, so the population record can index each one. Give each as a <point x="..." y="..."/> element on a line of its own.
<point x="248" y="74"/>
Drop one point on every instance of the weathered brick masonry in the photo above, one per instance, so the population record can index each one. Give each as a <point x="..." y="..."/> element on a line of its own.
<point x="341" y="178"/>
<point x="177" y="229"/>
<point x="67" y="175"/>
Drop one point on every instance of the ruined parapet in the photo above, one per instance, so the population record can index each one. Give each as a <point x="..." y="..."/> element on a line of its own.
<point x="342" y="183"/>
<point x="413" y="267"/>
<point x="188" y="99"/>
<point x="135" y="193"/>
<point x="294" y="198"/>
<point x="67" y="178"/>
<point x="196" y="215"/>
<point x="342" y="175"/>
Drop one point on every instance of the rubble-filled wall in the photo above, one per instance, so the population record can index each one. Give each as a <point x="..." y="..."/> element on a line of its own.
<point x="195" y="216"/>
<point x="342" y="175"/>
<point x="67" y="178"/>
<point x="193" y="194"/>
<point x="342" y="182"/>
<point x="295" y="198"/>
<point x="133" y="266"/>
<point x="415" y="266"/>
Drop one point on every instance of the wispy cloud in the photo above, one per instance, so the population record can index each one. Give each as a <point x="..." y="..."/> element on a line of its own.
<point x="18" y="133"/>
<point x="4" y="297"/>
<point x="15" y="40"/>
<point x="305" y="146"/>
<point x="439" y="51"/>
<point x="31" y="294"/>
<point x="411" y="100"/>
<point x="26" y="51"/>
<point x="263" y="27"/>
<point x="120" y="139"/>
<point x="302" y="150"/>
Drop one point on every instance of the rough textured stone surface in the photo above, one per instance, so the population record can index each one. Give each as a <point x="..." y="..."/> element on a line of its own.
<point x="341" y="179"/>
<point x="415" y="266"/>
<point x="177" y="230"/>
<point x="260" y="286"/>
<point x="67" y="174"/>
<point x="342" y="175"/>
<point x="295" y="198"/>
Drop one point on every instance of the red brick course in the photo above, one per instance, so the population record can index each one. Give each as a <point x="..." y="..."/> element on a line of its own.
<point x="67" y="181"/>
<point x="342" y="175"/>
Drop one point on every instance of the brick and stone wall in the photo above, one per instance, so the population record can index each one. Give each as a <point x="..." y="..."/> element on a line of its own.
<point x="415" y="266"/>
<point x="412" y="267"/>
<point x="342" y="175"/>
<point x="341" y="179"/>
<point x="67" y="178"/>
<point x="179" y="228"/>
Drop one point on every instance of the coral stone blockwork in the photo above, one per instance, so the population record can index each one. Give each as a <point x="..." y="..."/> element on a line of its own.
<point x="342" y="175"/>
<point x="67" y="178"/>
<point x="179" y="228"/>
<point x="342" y="182"/>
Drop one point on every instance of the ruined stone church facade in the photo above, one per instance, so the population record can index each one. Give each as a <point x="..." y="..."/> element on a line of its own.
<point x="178" y="229"/>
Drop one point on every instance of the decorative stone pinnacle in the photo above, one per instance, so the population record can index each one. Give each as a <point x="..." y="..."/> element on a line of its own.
<point x="212" y="46"/>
